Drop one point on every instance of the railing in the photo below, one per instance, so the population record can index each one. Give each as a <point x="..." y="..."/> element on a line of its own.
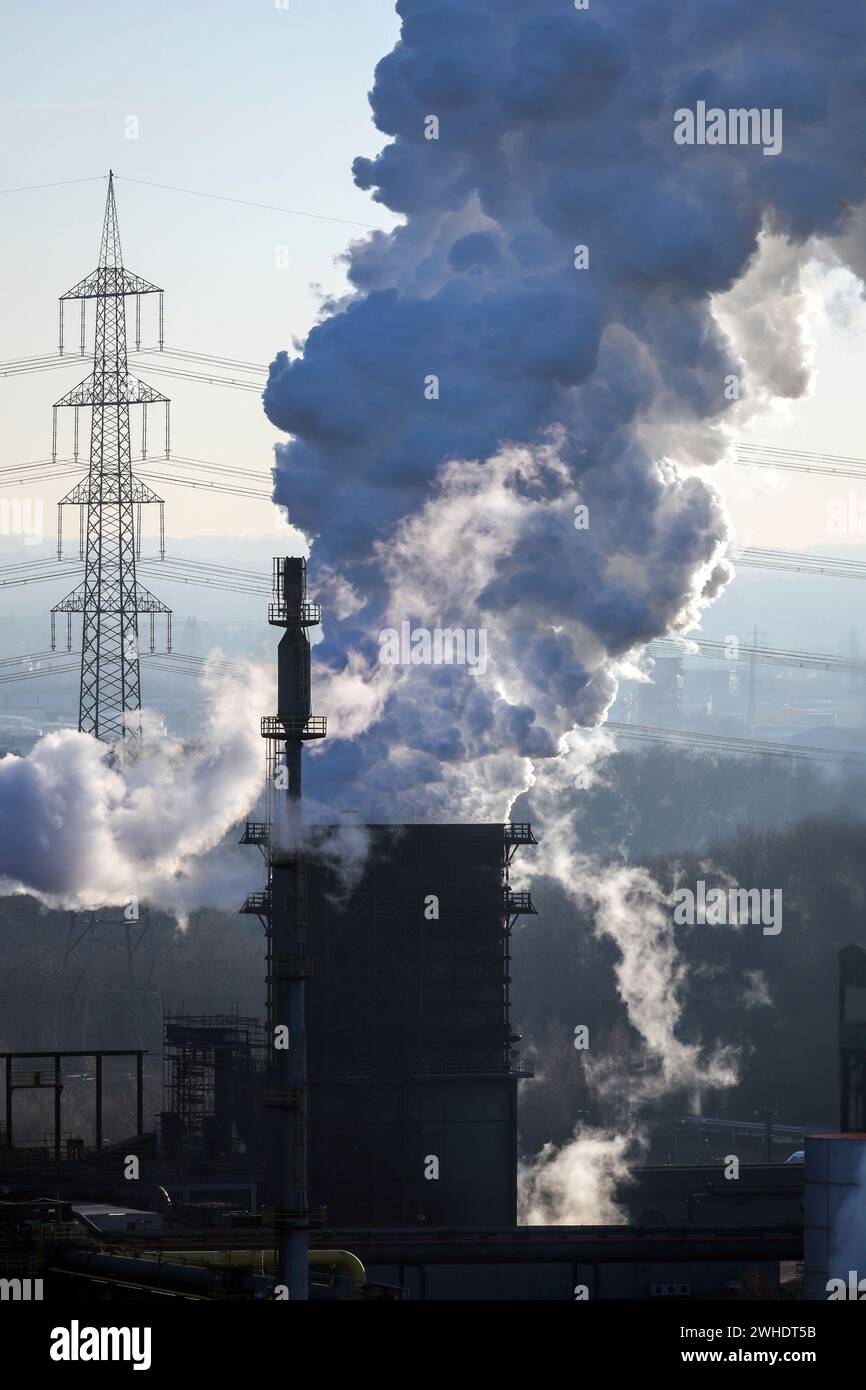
<point x="519" y="833"/>
<point x="480" y="1066"/>
<point x="295" y="967"/>
<point x="256" y="832"/>
<point x="56" y="1233"/>
<point x="518" y="903"/>
<point x="286" y="1099"/>
<point x="316" y="726"/>
<point x="257" y="904"/>
<point x="273" y="1216"/>
<point x="36" y="1080"/>
<point x="306" y="615"/>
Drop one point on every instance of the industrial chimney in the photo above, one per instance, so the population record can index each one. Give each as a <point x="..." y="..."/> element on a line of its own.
<point x="283" y="911"/>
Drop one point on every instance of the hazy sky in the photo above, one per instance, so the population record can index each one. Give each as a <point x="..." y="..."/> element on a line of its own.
<point x="235" y="97"/>
<point x="267" y="104"/>
<point x="793" y="511"/>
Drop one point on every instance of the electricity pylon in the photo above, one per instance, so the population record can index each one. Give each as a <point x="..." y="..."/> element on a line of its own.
<point x="110" y="498"/>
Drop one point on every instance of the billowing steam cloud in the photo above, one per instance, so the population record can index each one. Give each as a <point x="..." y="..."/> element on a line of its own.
<point x="79" y="832"/>
<point x="455" y="414"/>
<point x="475" y="387"/>
<point x="574" y="1185"/>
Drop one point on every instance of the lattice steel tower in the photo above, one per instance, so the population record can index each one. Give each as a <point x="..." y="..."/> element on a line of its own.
<point x="110" y="499"/>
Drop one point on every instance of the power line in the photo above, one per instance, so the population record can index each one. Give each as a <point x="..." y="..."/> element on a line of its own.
<point x="24" y="366"/>
<point x="28" y="564"/>
<point x="769" y="656"/>
<point x="776" y="456"/>
<point x="218" y="663"/>
<point x="728" y="744"/>
<point x="10" y="678"/>
<point x="220" y="568"/>
<point x="174" y="662"/>
<point x="30" y="656"/>
<point x="35" y="463"/>
<point x="246" y="202"/>
<point x="15" y="581"/>
<point x="65" y="359"/>
<point x="172" y="569"/>
<point x="198" y="193"/>
<point x="16" y="365"/>
<point x="154" y="460"/>
<point x="201" y="579"/>
<point x="66" y="471"/>
<point x="203" y="484"/>
<point x="181" y="375"/>
<point x="799" y="562"/>
<point x="48" y="470"/>
<point x="222" y="468"/>
<point x="39" y="579"/>
<point x="64" y="183"/>
<point x="213" y="358"/>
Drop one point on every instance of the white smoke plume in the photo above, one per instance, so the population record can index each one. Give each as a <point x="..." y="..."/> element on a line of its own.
<point x="630" y="909"/>
<point x="79" y="831"/>
<point x="766" y="318"/>
<point x="574" y="1185"/>
<point x="475" y="386"/>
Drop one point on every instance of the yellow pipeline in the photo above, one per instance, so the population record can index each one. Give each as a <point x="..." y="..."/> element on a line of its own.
<point x="264" y="1260"/>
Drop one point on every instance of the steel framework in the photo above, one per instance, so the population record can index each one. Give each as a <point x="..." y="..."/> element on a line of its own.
<point x="110" y="598"/>
<point x="205" y="1056"/>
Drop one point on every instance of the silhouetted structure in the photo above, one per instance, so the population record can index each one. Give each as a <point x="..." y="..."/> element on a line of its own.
<point x="110" y="598"/>
<point x="214" y="1068"/>
<point x="413" y="1073"/>
<point x="282" y="908"/>
<point x="852" y="1039"/>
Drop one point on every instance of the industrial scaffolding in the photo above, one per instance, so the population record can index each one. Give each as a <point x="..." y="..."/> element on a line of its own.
<point x="208" y="1059"/>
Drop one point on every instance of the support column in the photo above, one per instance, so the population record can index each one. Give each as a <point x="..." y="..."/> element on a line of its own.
<point x="98" y="1101"/>
<point x="287" y="922"/>
<point x="139" y="1093"/>
<point x="290" y="1064"/>
<point x="9" y="1102"/>
<point x="58" y="1091"/>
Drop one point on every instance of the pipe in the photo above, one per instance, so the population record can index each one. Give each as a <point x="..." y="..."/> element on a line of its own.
<point x="352" y="1265"/>
<point x="147" y="1272"/>
<point x="611" y="1245"/>
<point x="267" y="1260"/>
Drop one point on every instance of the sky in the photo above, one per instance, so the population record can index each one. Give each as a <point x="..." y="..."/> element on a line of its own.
<point x="245" y="99"/>
<point x="795" y="511"/>
<point x="268" y="104"/>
